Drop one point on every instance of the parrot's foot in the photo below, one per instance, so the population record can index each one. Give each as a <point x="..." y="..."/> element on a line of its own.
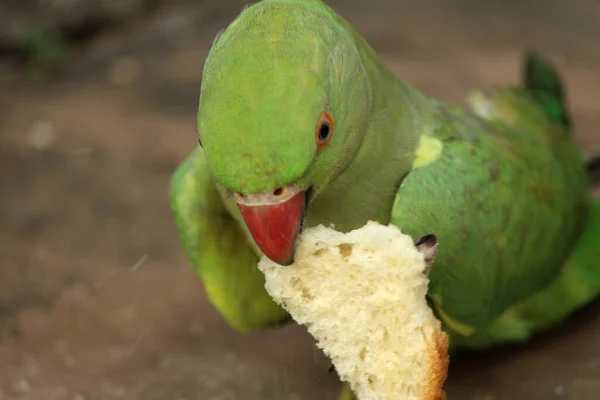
<point x="346" y="393"/>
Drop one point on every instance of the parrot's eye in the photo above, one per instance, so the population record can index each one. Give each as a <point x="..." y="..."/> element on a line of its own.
<point x="324" y="130"/>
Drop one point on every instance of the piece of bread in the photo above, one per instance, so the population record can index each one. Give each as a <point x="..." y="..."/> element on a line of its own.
<point x="361" y="295"/>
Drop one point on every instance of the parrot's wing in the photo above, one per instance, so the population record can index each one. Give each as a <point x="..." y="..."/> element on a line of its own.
<point x="506" y="210"/>
<point x="218" y="248"/>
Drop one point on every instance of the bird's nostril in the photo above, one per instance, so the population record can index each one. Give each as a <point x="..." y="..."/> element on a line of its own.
<point x="278" y="191"/>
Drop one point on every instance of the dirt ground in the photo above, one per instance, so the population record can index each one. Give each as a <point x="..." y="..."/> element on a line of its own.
<point x="97" y="301"/>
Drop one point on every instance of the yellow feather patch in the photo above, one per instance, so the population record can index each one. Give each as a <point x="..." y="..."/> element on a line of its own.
<point x="217" y="298"/>
<point x="429" y="150"/>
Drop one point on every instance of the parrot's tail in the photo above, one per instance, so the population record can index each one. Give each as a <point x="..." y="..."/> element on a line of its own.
<point x="543" y="82"/>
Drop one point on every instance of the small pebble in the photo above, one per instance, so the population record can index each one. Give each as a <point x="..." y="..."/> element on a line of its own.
<point x="559" y="390"/>
<point x="23" y="386"/>
<point x="42" y="135"/>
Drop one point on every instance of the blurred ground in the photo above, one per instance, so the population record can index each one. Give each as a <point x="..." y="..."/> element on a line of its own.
<point x="96" y="299"/>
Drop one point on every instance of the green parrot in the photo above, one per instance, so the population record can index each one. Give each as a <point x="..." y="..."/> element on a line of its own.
<point x="300" y="123"/>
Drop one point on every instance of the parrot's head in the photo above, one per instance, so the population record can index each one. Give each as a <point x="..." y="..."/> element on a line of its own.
<point x="283" y="111"/>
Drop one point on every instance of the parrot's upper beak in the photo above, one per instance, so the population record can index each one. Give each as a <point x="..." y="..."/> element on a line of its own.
<point x="275" y="219"/>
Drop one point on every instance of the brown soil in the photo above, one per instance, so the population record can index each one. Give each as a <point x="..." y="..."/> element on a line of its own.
<point x="96" y="298"/>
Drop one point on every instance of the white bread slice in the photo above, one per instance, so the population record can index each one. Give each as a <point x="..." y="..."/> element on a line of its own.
<point x="361" y="295"/>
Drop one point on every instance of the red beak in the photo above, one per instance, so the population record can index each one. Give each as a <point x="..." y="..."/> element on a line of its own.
<point x="275" y="221"/>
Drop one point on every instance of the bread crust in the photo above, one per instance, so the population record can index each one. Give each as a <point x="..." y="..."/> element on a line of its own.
<point x="438" y="360"/>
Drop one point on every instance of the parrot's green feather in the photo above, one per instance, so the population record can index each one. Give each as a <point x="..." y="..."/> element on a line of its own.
<point x="577" y="280"/>
<point x="542" y="81"/>
<point x="501" y="184"/>
<point x="511" y="191"/>
<point x="539" y="75"/>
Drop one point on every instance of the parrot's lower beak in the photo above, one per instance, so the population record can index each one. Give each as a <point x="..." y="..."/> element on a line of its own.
<point x="275" y="219"/>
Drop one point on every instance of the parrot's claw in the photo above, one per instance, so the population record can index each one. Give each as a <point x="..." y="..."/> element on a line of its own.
<point x="431" y="238"/>
<point x="428" y="245"/>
